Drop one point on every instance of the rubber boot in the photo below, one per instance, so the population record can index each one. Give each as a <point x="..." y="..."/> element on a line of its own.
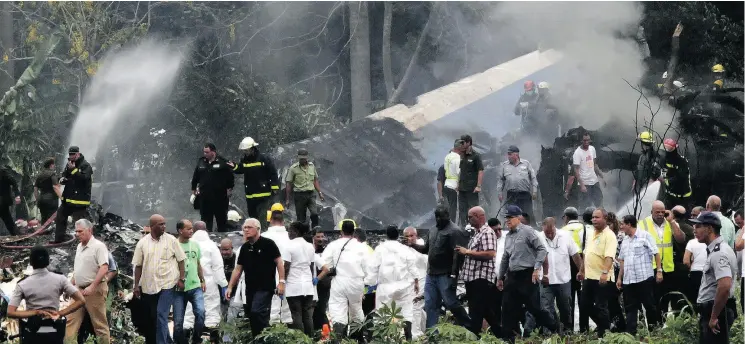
<point x="407" y="330"/>
<point x="340" y="332"/>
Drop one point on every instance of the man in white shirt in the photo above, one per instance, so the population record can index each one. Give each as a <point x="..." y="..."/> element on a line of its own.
<point x="586" y="173"/>
<point x="392" y="268"/>
<point x="278" y="233"/>
<point x="301" y="280"/>
<point x="344" y="259"/>
<point x="452" y="173"/>
<point x="557" y="285"/>
<point x="419" y="324"/>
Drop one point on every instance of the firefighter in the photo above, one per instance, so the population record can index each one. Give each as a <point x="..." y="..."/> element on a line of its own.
<point x="647" y="168"/>
<point x="676" y="176"/>
<point x="76" y="197"/>
<point x="525" y="105"/>
<point x="259" y="177"/>
<point x="212" y="184"/>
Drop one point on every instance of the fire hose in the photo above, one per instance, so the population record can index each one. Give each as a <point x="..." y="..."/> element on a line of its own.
<point x="37" y="232"/>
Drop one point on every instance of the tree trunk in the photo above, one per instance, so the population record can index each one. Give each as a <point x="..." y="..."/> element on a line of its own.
<point x="6" y="41"/>
<point x="415" y="57"/>
<point x="387" y="72"/>
<point x="359" y="31"/>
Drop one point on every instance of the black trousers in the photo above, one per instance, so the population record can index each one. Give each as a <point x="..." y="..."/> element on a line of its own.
<point x="466" y="201"/>
<point x="7" y="218"/>
<point x="725" y="318"/>
<point x="149" y="303"/>
<point x="576" y="291"/>
<point x="29" y="337"/>
<point x="665" y="292"/>
<point x="66" y="209"/>
<point x="522" y="199"/>
<point x="319" y="313"/>
<point x="594" y="303"/>
<point x="301" y="308"/>
<point x="256" y="309"/>
<point x="305" y="201"/>
<point x="636" y="295"/>
<point x="257" y="207"/>
<point x="214" y="207"/>
<point x="615" y="312"/>
<point x="47" y="208"/>
<point x="519" y="290"/>
<point x="480" y="294"/>
<point x="593" y="196"/>
<point x="451" y="198"/>
<point x="692" y="286"/>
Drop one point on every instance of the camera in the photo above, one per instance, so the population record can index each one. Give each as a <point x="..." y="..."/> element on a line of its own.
<point x="332" y="272"/>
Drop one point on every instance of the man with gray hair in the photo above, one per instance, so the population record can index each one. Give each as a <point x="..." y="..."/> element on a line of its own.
<point x="714" y="205"/>
<point x="91" y="266"/>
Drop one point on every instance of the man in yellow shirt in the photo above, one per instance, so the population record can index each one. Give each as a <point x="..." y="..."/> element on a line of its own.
<point x="600" y="249"/>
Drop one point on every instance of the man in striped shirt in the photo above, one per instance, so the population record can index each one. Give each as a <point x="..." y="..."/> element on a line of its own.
<point x="159" y="271"/>
<point x="636" y="277"/>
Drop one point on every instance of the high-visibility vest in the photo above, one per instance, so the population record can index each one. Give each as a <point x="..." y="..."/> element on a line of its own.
<point x="448" y="173"/>
<point x="576" y="228"/>
<point x="664" y="246"/>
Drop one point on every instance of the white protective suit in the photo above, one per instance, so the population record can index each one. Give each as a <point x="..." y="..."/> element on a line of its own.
<point x="347" y="287"/>
<point x="419" y="326"/>
<point x="214" y="278"/>
<point x="393" y="269"/>
<point x="280" y="312"/>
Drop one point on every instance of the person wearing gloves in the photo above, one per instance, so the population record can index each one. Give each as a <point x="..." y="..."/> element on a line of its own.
<point x="300" y="265"/>
<point x="214" y="278"/>
<point x="419" y="324"/>
<point x="344" y="260"/>
<point x="393" y="270"/>
<point x="278" y="233"/>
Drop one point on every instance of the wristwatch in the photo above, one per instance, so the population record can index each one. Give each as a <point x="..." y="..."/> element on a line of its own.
<point x="282" y="281"/>
<point x="605" y="272"/>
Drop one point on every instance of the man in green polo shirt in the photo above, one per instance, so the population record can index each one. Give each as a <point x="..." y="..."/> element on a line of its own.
<point x="194" y="287"/>
<point x="302" y="179"/>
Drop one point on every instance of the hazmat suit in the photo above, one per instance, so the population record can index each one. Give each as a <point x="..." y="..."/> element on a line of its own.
<point x="393" y="269"/>
<point x="347" y="256"/>
<point x="214" y="279"/>
<point x="280" y="312"/>
<point x="419" y="325"/>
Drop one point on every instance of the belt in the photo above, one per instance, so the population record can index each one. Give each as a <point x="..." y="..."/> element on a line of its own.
<point x="517" y="191"/>
<point x="304" y="191"/>
<point x="688" y="194"/>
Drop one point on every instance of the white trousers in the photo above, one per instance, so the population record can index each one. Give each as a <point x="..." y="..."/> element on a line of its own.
<point x="345" y="301"/>
<point x="402" y="293"/>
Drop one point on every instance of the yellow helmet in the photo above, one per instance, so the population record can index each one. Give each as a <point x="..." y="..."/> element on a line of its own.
<point x="646" y="137"/>
<point x="719" y="83"/>
<point x="717" y="68"/>
<point x="275" y="207"/>
<point x="342" y="221"/>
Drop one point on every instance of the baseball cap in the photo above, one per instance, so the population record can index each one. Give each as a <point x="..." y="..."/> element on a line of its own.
<point x="707" y="218"/>
<point x="513" y="211"/>
<point x="73" y="149"/>
<point x="513" y="149"/>
<point x="302" y="153"/>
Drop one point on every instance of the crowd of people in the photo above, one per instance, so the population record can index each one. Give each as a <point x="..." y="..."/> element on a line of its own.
<point x="515" y="280"/>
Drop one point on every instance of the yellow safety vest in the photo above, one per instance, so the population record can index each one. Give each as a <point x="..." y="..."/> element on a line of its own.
<point x="664" y="246"/>
<point x="576" y="229"/>
<point x="449" y="174"/>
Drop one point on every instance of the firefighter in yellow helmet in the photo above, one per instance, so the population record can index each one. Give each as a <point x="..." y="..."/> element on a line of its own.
<point x="648" y="167"/>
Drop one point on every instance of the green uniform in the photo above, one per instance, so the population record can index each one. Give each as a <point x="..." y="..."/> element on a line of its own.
<point x="191" y="263"/>
<point x="302" y="180"/>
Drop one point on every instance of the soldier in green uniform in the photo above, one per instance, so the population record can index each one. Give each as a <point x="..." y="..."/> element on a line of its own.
<point x="302" y="183"/>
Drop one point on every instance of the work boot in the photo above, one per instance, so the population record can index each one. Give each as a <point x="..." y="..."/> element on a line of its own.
<point x="407" y="330"/>
<point x="340" y="332"/>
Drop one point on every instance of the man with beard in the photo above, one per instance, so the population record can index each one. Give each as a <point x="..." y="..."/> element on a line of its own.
<point x="440" y="285"/>
<point x="213" y="183"/>
<point x="77" y="193"/>
<point x="259" y="177"/>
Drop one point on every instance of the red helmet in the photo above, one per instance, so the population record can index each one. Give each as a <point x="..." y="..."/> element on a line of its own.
<point x="670" y="142"/>
<point x="529" y="85"/>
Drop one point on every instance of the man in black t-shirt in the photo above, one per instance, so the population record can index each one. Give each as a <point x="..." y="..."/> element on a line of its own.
<point x="470" y="179"/>
<point x="258" y="258"/>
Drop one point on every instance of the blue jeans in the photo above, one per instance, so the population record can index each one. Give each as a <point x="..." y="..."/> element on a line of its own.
<point x="196" y="298"/>
<point x="165" y="301"/>
<point x="439" y="289"/>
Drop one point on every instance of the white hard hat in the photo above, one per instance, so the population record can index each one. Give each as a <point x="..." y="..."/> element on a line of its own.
<point x="543" y="84"/>
<point x="192" y="198"/>
<point x="664" y="75"/>
<point x="247" y="143"/>
<point x="234" y="216"/>
<point x="677" y="84"/>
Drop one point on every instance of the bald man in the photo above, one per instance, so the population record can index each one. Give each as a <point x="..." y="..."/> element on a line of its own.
<point x="419" y="324"/>
<point x="159" y="270"/>
<point x="714" y="205"/>
<point x="663" y="227"/>
<point x="228" y="262"/>
<point x="479" y="272"/>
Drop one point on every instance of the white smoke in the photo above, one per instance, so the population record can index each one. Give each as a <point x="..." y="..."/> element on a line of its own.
<point x="128" y="87"/>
